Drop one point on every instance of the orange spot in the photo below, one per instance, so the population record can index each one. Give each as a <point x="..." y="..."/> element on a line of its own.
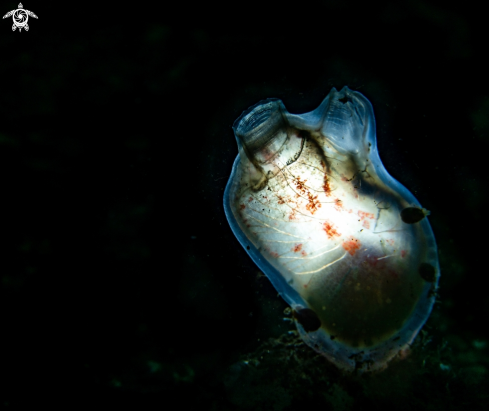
<point x="351" y="246"/>
<point x="303" y="253"/>
<point x="364" y="214"/>
<point x="326" y="186"/>
<point x="297" y="248"/>
<point x="338" y="205"/>
<point x="280" y="200"/>
<point x="330" y="230"/>
<point x="313" y="204"/>
<point x="242" y="206"/>
<point x="366" y="224"/>
<point x="300" y="185"/>
<point x="302" y="191"/>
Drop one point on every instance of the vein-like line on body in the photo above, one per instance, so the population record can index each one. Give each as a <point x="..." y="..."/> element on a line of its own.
<point x="323" y="267"/>
<point x="276" y="209"/>
<point x="295" y="263"/>
<point x="273" y="228"/>
<point x="386" y="256"/>
<point x="305" y="185"/>
<point x="296" y="210"/>
<point x="318" y="190"/>
<point x="312" y="258"/>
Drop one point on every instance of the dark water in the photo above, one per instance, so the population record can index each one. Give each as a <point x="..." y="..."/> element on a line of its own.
<point x="122" y="283"/>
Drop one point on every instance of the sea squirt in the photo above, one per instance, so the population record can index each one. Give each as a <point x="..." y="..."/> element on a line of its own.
<point x="347" y="246"/>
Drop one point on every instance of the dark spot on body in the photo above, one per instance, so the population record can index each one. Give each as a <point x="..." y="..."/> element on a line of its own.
<point x="247" y="247"/>
<point x="427" y="272"/>
<point x="308" y="319"/>
<point x="332" y="337"/>
<point x="344" y="100"/>
<point x="411" y="215"/>
<point x="396" y="339"/>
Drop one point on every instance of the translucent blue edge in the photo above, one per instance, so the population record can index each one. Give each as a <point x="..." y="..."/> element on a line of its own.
<point x="291" y="296"/>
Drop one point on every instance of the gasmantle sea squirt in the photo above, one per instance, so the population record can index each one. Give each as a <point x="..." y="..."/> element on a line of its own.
<point x="346" y="245"/>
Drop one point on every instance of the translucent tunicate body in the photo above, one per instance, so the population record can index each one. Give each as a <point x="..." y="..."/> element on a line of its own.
<point x="345" y="244"/>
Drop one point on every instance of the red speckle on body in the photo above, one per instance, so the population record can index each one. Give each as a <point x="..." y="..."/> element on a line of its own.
<point x="242" y="206"/>
<point x="303" y="253"/>
<point x="313" y="204"/>
<point x="326" y="186"/>
<point x="297" y="248"/>
<point x="250" y="199"/>
<point x="351" y="246"/>
<point x="403" y="253"/>
<point x="366" y="224"/>
<point x="330" y="230"/>
<point x="364" y="214"/>
<point x="302" y="191"/>
<point x="300" y="185"/>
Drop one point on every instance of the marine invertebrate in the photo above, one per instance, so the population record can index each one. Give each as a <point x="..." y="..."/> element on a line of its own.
<point x="345" y="244"/>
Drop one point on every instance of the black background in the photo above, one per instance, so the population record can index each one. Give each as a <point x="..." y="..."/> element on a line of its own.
<point x="122" y="282"/>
